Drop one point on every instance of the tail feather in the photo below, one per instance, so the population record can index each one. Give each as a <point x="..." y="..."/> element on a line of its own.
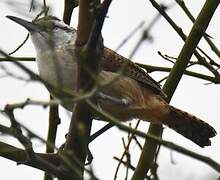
<point x="190" y="126"/>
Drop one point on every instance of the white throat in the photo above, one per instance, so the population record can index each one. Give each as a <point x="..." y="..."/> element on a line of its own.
<point x="58" y="38"/>
<point x="55" y="56"/>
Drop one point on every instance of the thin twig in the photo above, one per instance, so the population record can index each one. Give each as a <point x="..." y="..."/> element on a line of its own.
<point x="32" y="158"/>
<point x="123" y="42"/>
<point x="125" y="150"/>
<point x="151" y="69"/>
<point x="207" y="160"/>
<point x="125" y="163"/>
<point x="101" y="131"/>
<point x="22" y="44"/>
<point x="21" y="59"/>
<point x="146" y="32"/>
<point x="8" y="73"/>
<point x="197" y="31"/>
<point x="182" y="4"/>
<point x="180" y="32"/>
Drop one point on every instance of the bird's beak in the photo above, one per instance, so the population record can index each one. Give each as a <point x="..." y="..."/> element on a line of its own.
<point x="26" y="24"/>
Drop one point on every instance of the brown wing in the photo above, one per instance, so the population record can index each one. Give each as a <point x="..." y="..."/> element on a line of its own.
<point x="111" y="61"/>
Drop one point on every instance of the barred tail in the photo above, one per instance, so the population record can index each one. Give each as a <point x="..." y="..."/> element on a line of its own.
<point x="190" y="126"/>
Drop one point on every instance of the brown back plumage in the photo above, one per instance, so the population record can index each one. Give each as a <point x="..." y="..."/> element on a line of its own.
<point x="153" y="108"/>
<point x="111" y="61"/>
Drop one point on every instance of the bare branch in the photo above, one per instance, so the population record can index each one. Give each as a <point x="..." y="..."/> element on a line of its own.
<point x="196" y="33"/>
<point x="25" y="40"/>
<point x="183" y="6"/>
<point x="212" y="163"/>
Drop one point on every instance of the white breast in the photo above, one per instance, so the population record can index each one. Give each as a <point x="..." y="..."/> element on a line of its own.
<point x="58" y="67"/>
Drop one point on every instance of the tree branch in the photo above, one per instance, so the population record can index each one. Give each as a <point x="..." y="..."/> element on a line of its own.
<point x="88" y="33"/>
<point x="197" y="31"/>
<point x="181" y="3"/>
<point x="54" y="121"/>
<point x="156" y="139"/>
<point x="179" y="31"/>
<point x="69" y="6"/>
<point x="50" y="161"/>
<point x="151" y="69"/>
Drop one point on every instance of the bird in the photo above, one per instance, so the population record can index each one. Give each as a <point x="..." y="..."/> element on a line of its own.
<point x="54" y="42"/>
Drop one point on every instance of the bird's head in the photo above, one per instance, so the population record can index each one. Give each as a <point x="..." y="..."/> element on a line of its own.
<point x="47" y="32"/>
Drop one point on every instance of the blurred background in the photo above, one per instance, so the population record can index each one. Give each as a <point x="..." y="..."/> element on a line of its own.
<point x="193" y="95"/>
